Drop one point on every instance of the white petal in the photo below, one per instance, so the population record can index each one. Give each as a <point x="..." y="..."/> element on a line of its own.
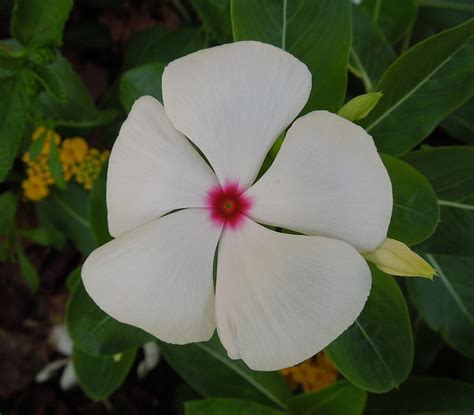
<point x="50" y="370"/>
<point x="233" y="101"/>
<point x="327" y="180"/>
<point x="61" y="340"/>
<point x="151" y="358"/>
<point x="68" y="378"/>
<point x="159" y="277"/>
<point x="282" y="298"/>
<point x="153" y="169"/>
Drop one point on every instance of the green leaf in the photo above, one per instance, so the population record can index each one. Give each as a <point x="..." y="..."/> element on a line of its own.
<point x="206" y="367"/>
<point x="376" y="352"/>
<point x="394" y="17"/>
<point x="68" y="212"/>
<point x="12" y="122"/>
<point x="216" y="18"/>
<point x="227" y="407"/>
<point x="50" y="81"/>
<point x="98" y="209"/>
<point x="8" y="211"/>
<point x="159" y="45"/>
<point x="424" y="396"/>
<point x="37" y="145"/>
<point x="446" y="304"/>
<point x="339" y="399"/>
<point x="56" y="167"/>
<point x="421" y="87"/>
<point x="370" y="54"/>
<point x="73" y="279"/>
<point x="101" y="376"/>
<point x="360" y="106"/>
<point x="460" y="123"/>
<point x="415" y="206"/>
<point x="28" y="271"/>
<point x="323" y="45"/>
<point x="78" y="110"/>
<point x="40" y="22"/>
<point x="139" y="81"/>
<point x="44" y="236"/>
<point x="95" y="332"/>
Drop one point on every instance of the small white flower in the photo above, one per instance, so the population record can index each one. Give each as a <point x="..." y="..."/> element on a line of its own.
<point x="280" y="298"/>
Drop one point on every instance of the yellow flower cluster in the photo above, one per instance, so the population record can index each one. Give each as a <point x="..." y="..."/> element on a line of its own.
<point x="78" y="161"/>
<point x="313" y="374"/>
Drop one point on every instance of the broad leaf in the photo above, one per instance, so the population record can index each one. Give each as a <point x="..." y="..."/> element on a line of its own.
<point x="12" y="122"/>
<point x="139" y="81"/>
<point x="101" y="376"/>
<point x="460" y="123"/>
<point x="370" y="54"/>
<point x="421" y="87"/>
<point x="223" y="377"/>
<point x="98" y="209"/>
<point x="44" y="236"/>
<point x="425" y="396"/>
<point x="376" y="352"/>
<point x="446" y="304"/>
<point x="40" y="23"/>
<point x="339" y="399"/>
<point x="95" y="332"/>
<point x="323" y="45"/>
<point x="28" y="271"/>
<point x="228" y="407"/>
<point x="415" y="206"/>
<point x="50" y="82"/>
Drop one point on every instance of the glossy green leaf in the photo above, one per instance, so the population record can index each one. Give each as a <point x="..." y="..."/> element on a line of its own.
<point x="460" y="123"/>
<point x="98" y="209"/>
<point x="56" y="167"/>
<point x="139" y="81"/>
<point x="50" y="82"/>
<point x="359" y="107"/>
<point x="8" y="211"/>
<point x="323" y="45"/>
<point x="421" y="87"/>
<point x="28" y="271"/>
<point x="415" y="206"/>
<point x="99" y="377"/>
<point x="425" y="396"/>
<point x="371" y="54"/>
<point x="394" y="17"/>
<point x="40" y="22"/>
<point x="160" y="45"/>
<point x="376" y="352"/>
<point x="215" y="15"/>
<point x="95" y="332"/>
<point x="12" y="123"/>
<point x="68" y="212"/>
<point x="208" y="369"/>
<point x="446" y="304"/>
<point x="339" y="399"/>
<point x="228" y="407"/>
<point x="78" y="110"/>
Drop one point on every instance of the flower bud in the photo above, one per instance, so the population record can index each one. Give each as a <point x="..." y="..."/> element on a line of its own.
<point x="395" y="258"/>
<point x="360" y="106"/>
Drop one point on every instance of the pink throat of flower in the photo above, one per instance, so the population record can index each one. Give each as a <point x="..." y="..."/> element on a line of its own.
<point x="228" y="205"/>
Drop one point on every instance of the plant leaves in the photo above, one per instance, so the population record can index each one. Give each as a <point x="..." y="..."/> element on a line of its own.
<point x="12" y="123"/>
<point x="323" y="45"/>
<point x="51" y="83"/>
<point x="216" y="18"/>
<point x="446" y="303"/>
<point x="139" y="81"/>
<point x="227" y="407"/>
<point x="339" y="399"/>
<point x="415" y="206"/>
<point x="28" y="271"/>
<point x="56" y="167"/>
<point x="44" y="236"/>
<point x="97" y="211"/>
<point x="425" y="396"/>
<point x="371" y="54"/>
<point x="460" y="123"/>
<point x="376" y="352"/>
<point x="40" y="23"/>
<point x="101" y="376"/>
<point x="421" y="87"/>
<point x="360" y="106"/>
<point x="95" y="332"/>
<point x="223" y="377"/>
<point x="8" y="211"/>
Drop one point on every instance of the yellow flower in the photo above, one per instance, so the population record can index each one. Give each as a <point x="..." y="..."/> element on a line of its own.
<point x="313" y="374"/>
<point x="50" y="135"/>
<point x="87" y="171"/>
<point x="35" y="188"/>
<point x="73" y="150"/>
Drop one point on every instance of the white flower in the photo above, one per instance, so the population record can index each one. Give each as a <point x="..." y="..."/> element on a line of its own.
<point x="280" y="298"/>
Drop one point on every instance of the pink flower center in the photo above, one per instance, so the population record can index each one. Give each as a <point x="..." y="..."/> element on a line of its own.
<point x="228" y="205"/>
